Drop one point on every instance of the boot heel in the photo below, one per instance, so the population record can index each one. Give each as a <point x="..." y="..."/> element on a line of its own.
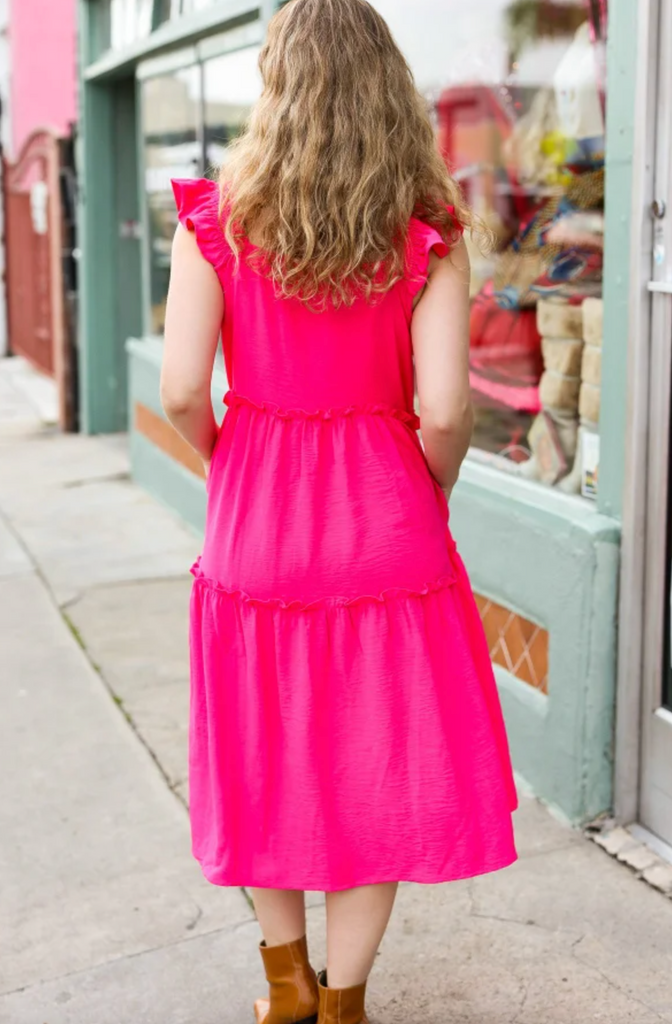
<point x="262" y="1009"/>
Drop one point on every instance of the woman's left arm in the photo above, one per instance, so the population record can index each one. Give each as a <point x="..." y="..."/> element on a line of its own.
<point x="194" y="316"/>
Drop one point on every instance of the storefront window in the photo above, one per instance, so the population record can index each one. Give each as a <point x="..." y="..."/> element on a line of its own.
<point x="517" y="92"/>
<point x="171" y="122"/>
<point x="164" y="10"/>
<point x="196" y="5"/>
<point x="120" y="23"/>
<point x="101" y="18"/>
<point x="231" y="85"/>
<point x="189" y="117"/>
<point x="129" y="20"/>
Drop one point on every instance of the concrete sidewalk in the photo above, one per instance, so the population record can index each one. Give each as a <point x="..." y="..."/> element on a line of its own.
<point x="104" y="916"/>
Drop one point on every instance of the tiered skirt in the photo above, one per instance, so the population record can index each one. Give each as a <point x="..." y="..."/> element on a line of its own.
<point x="345" y="723"/>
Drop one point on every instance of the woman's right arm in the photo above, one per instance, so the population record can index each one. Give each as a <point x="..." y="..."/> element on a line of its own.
<point x="193" y="321"/>
<point x="440" y="332"/>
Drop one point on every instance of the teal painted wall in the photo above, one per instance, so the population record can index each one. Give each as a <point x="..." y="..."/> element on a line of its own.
<point x="168" y="482"/>
<point x="128" y="245"/>
<point x="621" y="93"/>
<point x="554" y="560"/>
<point x="171" y="483"/>
<point x="111" y="297"/>
<point x="100" y="399"/>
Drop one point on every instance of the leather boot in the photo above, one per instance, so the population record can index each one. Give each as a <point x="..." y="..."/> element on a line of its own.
<point x="341" y="1006"/>
<point x="293" y="985"/>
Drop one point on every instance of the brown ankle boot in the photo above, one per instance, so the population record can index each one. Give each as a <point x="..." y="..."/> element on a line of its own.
<point x="293" y="985"/>
<point x="341" y="1006"/>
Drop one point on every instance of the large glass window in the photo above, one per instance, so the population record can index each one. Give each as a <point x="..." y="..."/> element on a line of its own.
<point x="517" y="93"/>
<point x="164" y="10"/>
<point x="171" y="122"/>
<point x="129" y="20"/>
<point x="196" y="5"/>
<point x="231" y="85"/>
<point x="120" y="23"/>
<point x="189" y="117"/>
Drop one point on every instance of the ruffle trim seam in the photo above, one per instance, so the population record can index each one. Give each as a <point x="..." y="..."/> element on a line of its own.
<point x="197" y="203"/>
<point x="296" y="604"/>
<point x="233" y="400"/>
<point x="211" y="242"/>
<point x="421" y="240"/>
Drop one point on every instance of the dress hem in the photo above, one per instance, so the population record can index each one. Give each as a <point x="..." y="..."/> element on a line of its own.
<point x="317" y="885"/>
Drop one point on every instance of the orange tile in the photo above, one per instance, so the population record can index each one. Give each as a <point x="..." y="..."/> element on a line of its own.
<point x="527" y="629"/>
<point x="526" y="674"/>
<point x="515" y="643"/>
<point x="539" y="658"/>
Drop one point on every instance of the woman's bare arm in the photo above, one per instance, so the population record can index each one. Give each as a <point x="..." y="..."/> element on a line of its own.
<point x="194" y="316"/>
<point x="440" y="331"/>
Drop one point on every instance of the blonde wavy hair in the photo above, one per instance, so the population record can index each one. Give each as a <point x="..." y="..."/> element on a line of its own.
<point x="339" y="153"/>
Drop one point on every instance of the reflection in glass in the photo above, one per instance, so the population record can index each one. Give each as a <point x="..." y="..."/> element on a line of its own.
<point x="231" y="85"/>
<point x="517" y="92"/>
<point x="196" y="5"/>
<point x="102" y="21"/>
<point x="129" y="20"/>
<point x="172" y="149"/>
<point x="165" y="10"/>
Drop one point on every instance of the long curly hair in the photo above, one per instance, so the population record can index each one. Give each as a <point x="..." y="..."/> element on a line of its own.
<point x="338" y="154"/>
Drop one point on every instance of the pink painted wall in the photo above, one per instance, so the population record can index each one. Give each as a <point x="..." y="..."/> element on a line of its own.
<point x="42" y="40"/>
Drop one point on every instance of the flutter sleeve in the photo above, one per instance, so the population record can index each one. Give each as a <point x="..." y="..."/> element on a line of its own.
<point x="198" y="210"/>
<point x="424" y="239"/>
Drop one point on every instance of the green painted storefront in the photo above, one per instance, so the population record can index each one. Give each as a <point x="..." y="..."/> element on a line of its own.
<point x="551" y="558"/>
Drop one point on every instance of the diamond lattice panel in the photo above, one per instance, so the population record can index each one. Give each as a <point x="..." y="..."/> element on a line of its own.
<point x="518" y="645"/>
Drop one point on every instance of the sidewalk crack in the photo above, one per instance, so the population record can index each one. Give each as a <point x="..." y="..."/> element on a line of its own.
<point x="612" y="984"/>
<point x="229" y="930"/>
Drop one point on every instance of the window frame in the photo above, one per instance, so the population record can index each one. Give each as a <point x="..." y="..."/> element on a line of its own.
<point x="233" y="40"/>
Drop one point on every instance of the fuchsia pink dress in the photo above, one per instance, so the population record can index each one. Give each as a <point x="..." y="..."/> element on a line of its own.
<point x="345" y="722"/>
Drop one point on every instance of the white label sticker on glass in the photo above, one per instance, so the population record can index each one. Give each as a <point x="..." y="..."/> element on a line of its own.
<point x="590" y="463"/>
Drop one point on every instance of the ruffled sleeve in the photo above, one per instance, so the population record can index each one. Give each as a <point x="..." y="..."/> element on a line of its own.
<point x="423" y="239"/>
<point x="197" y="201"/>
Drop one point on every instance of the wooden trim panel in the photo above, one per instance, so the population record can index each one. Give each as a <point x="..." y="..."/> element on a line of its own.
<point x="164" y="436"/>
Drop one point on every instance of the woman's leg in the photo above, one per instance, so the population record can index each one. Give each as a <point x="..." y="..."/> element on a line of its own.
<point x="356" y="923"/>
<point x="292" y="983"/>
<point x="281" y="914"/>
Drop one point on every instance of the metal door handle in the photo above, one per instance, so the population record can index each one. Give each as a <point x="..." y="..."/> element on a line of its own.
<point x="660" y="286"/>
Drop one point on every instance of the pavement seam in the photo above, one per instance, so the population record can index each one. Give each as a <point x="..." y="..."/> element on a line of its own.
<point x="114" y="584"/>
<point x="566" y="845"/>
<point x="81" y="643"/>
<point x="473" y="912"/>
<point x="79" y="640"/>
<point x="109" y="478"/>
<point x="36" y="567"/>
<point x="526" y="986"/>
<point x="229" y="930"/>
<point x="613" y="984"/>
